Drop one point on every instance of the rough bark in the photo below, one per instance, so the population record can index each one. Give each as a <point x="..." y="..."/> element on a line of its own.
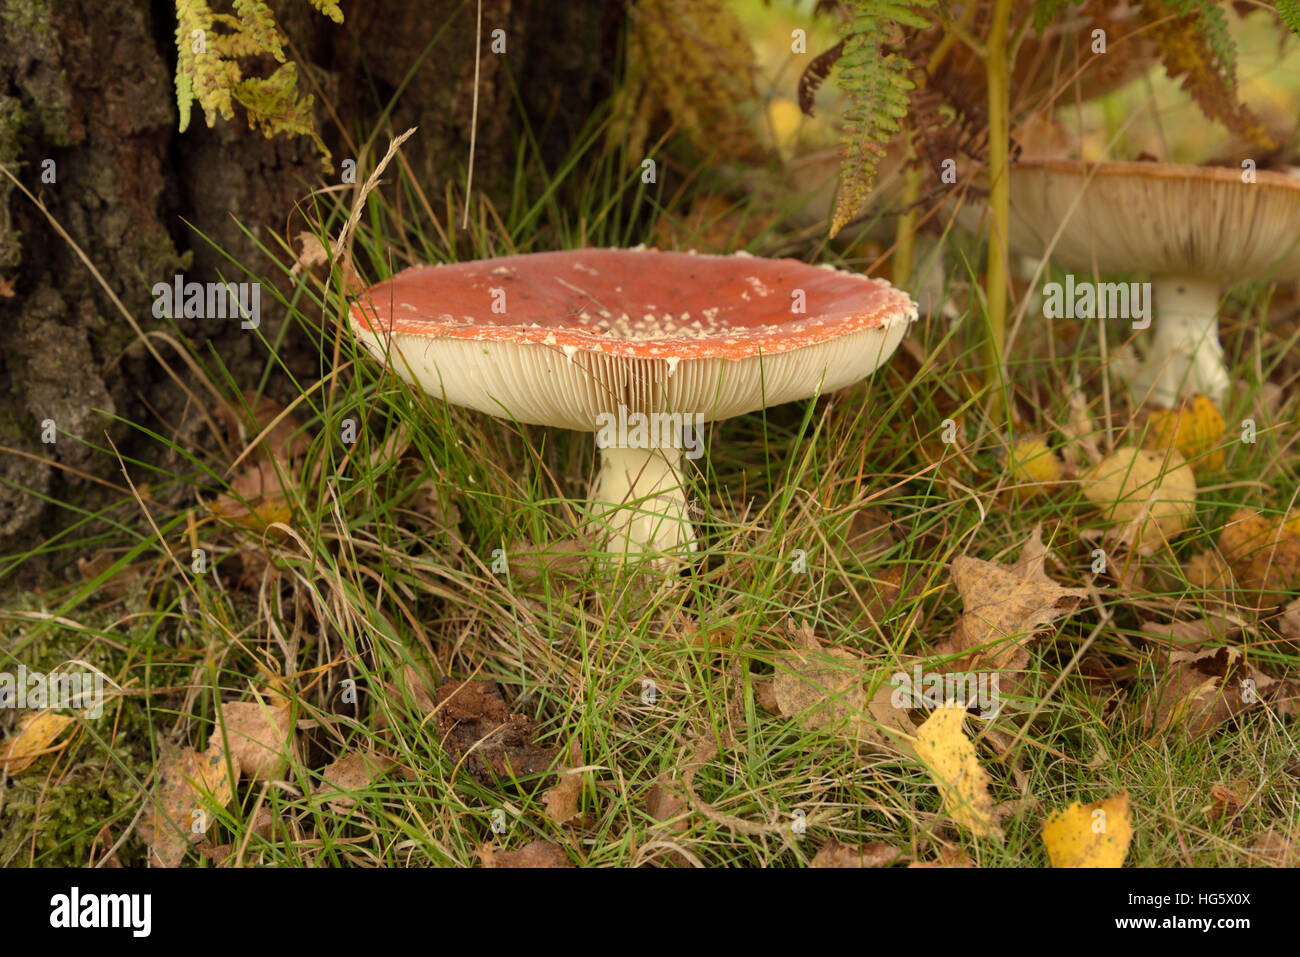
<point x="87" y="84"/>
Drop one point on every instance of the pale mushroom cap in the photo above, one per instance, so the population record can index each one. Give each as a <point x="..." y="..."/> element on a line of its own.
<point x="586" y="331"/>
<point x="1157" y="218"/>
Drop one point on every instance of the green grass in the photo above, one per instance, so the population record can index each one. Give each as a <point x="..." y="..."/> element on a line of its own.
<point x="386" y="562"/>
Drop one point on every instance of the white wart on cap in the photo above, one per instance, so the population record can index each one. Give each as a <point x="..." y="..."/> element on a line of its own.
<point x="578" y="338"/>
<point x="1192" y="229"/>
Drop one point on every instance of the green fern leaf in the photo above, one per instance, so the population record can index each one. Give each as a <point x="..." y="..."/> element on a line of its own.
<point x="1289" y="11"/>
<point x="876" y="85"/>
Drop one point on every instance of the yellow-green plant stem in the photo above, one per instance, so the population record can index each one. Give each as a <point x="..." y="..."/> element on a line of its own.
<point x="999" y="107"/>
<point x="905" y="228"/>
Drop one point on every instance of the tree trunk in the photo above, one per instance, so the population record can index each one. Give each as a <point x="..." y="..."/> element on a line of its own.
<point x="88" y="123"/>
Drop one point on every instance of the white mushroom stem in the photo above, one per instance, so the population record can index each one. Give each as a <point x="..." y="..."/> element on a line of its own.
<point x="1184" y="356"/>
<point x="638" y="502"/>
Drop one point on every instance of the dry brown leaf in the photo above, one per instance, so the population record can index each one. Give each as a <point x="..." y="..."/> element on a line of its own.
<point x="186" y="785"/>
<point x="353" y="772"/>
<point x="33" y="738"/>
<point x="1003" y="606"/>
<point x="1202" y="689"/>
<point x="835" y="854"/>
<point x="822" y="687"/>
<point x="1277" y="849"/>
<point x="1226" y="800"/>
<point x="257" y="735"/>
<point x="536" y="854"/>
<point x="1263" y="555"/>
<point x="562" y="800"/>
<point x="256" y="497"/>
<point x="870" y="534"/>
<point x="949" y="756"/>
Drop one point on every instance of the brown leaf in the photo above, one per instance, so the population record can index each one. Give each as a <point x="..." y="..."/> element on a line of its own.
<point x="1227" y="801"/>
<point x="1277" y="849"/>
<point x="822" y="687"/>
<point x="257" y="735"/>
<point x="1263" y="555"/>
<point x="562" y="800"/>
<point x="536" y="854"/>
<point x="353" y="772"/>
<point x="1202" y="689"/>
<point x="478" y="727"/>
<point x="186" y="785"/>
<point x="256" y="498"/>
<point x="835" y="854"/>
<point x="1003" y="606"/>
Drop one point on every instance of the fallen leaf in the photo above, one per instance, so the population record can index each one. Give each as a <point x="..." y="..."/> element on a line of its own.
<point x="33" y="738"/>
<point x="257" y="735"/>
<point x="353" y="772"/>
<point x="1277" y="849"/>
<point x="1263" y="555"/>
<point x="1226" y="801"/>
<point x="1201" y="689"/>
<point x="479" y="728"/>
<point x="536" y="854"/>
<point x="562" y="800"/>
<point x="870" y="534"/>
<point x="6" y="288"/>
<point x="827" y="687"/>
<point x="835" y="854"/>
<point x="186" y="785"/>
<point x="1004" y="606"/>
<point x="949" y="756"/>
<point x="1090" y="835"/>
<point x="1144" y="498"/>
<point x="257" y="497"/>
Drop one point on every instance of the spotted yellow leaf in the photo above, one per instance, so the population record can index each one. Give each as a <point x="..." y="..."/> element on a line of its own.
<point x="1090" y="835"/>
<point x="949" y="755"/>
<point x="33" y="738"/>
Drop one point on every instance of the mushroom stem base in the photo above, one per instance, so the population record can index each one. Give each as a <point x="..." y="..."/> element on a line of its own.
<point x="1184" y="356"/>
<point x="638" y="505"/>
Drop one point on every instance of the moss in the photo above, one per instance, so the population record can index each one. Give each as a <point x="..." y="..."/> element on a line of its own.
<point x="12" y="120"/>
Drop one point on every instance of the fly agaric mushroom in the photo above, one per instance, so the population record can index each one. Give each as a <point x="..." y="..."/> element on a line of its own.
<point x="636" y="338"/>
<point x="1193" y="229"/>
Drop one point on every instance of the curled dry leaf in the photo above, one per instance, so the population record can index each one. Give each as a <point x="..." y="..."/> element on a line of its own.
<point x="1144" y="498"/>
<point x="34" y="737"/>
<point x="257" y="735"/>
<point x="1004" y="606"/>
<point x="536" y="854"/>
<point x="949" y="756"/>
<point x="1202" y="689"/>
<point x="256" y="498"/>
<point x="568" y="559"/>
<point x="353" y="772"/>
<point x="835" y="854"/>
<point x="1090" y="835"/>
<point x="562" y="800"/>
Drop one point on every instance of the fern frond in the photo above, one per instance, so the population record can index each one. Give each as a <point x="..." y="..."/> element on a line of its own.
<point x="1289" y="11"/>
<point x="330" y="8"/>
<point x="1195" y="45"/>
<point x="209" y="47"/>
<point x="876" y="84"/>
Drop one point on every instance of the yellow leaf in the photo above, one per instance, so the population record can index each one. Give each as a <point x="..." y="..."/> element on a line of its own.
<point x="1090" y="835"/>
<point x="187" y="784"/>
<point x="949" y="755"/>
<point x="32" y="739"/>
